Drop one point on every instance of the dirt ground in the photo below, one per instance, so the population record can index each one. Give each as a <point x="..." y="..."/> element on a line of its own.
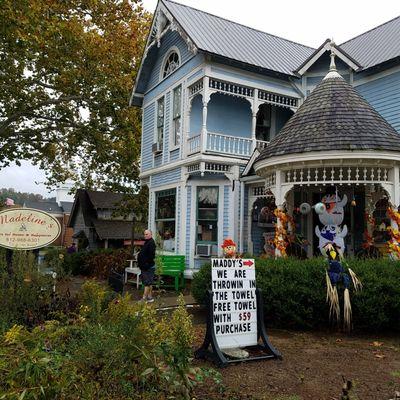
<point x="313" y="367"/>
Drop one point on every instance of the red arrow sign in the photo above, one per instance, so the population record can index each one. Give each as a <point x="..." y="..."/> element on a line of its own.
<point x="248" y="263"/>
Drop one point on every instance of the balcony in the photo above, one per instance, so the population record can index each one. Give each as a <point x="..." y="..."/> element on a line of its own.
<point x="221" y="144"/>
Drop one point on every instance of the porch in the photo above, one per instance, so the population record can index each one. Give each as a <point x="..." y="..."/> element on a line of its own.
<point x="225" y="118"/>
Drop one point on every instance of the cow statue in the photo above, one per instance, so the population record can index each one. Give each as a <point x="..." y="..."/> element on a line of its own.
<point x="332" y="217"/>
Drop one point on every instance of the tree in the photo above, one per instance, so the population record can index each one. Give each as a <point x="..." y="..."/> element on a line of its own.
<point x="66" y="72"/>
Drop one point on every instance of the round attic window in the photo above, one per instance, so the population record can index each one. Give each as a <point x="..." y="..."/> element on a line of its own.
<point x="171" y="64"/>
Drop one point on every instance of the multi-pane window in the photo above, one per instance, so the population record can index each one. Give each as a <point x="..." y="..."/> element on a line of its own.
<point x="165" y="218"/>
<point x="160" y="120"/>
<point x="171" y="64"/>
<point x="176" y="115"/>
<point x="207" y="215"/>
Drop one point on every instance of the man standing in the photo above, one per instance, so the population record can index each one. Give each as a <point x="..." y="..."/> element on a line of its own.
<point x="146" y="264"/>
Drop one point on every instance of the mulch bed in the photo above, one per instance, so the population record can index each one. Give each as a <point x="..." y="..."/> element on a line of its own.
<point x="313" y="367"/>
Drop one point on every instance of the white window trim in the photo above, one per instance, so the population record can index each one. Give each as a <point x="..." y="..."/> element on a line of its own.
<point x="172" y="145"/>
<point x="172" y="49"/>
<point x="155" y="137"/>
<point x="154" y="222"/>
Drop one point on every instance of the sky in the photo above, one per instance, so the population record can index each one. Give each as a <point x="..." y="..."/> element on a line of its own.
<point x="309" y="22"/>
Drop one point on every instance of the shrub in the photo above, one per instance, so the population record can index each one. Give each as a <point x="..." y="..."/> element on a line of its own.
<point x="100" y="263"/>
<point x="123" y="351"/>
<point x="74" y="263"/>
<point x="26" y="297"/>
<point x="54" y="260"/>
<point x="294" y="292"/>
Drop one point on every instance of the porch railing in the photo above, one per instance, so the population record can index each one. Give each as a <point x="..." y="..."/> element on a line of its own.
<point x="225" y="144"/>
<point x="194" y="144"/>
<point x="261" y="144"/>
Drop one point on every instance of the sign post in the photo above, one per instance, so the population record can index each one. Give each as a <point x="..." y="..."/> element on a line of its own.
<point x="235" y="313"/>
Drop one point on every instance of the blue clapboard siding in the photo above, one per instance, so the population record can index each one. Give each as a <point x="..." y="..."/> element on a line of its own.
<point x="172" y="79"/>
<point x="188" y="230"/>
<point x="229" y="115"/>
<point x="165" y="178"/>
<point x="178" y="219"/>
<point x="174" y="155"/>
<point x="322" y="65"/>
<point x="148" y="136"/>
<point x="166" y="127"/>
<point x="197" y="74"/>
<point x="198" y="262"/>
<point x="245" y="219"/>
<point x="226" y="212"/>
<point x="384" y="95"/>
<point x="167" y="41"/>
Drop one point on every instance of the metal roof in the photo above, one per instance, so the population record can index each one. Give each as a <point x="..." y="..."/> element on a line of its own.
<point x="376" y="46"/>
<point x="232" y="40"/>
<point x="333" y="117"/>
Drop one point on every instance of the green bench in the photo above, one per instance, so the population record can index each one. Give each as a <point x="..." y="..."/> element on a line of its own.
<point x="174" y="266"/>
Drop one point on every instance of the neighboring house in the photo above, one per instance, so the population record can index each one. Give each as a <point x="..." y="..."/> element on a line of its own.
<point x="96" y="223"/>
<point x="60" y="209"/>
<point x="216" y="94"/>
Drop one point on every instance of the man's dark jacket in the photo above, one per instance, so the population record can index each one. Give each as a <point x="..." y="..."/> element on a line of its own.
<point x="147" y="254"/>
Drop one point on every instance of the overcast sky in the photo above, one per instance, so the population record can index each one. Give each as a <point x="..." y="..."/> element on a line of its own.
<point x="309" y="22"/>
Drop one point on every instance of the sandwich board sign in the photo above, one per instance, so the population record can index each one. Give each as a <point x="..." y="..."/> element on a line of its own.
<point x="235" y="316"/>
<point x="233" y="283"/>
<point x="27" y="229"/>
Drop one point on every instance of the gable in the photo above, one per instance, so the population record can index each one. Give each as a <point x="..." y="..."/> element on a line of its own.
<point x="328" y="46"/>
<point x="171" y="40"/>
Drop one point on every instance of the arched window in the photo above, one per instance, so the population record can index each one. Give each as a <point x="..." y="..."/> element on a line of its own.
<point x="171" y="63"/>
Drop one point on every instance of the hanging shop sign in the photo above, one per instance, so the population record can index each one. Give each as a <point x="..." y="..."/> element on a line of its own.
<point x="27" y="229"/>
<point x="234" y="302"/>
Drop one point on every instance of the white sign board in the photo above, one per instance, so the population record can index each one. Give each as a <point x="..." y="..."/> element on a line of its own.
<point x="234" y="302"/>
<point x="27" y="229"/>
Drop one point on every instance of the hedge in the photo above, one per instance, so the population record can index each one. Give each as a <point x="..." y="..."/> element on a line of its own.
<point x="294" y="293"/>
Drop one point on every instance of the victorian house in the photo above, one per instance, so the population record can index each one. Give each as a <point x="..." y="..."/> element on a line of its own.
<point x="238" y="123"/>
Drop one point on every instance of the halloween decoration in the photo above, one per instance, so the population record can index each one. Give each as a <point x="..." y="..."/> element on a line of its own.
<point x="335" y="275"/>
<point x="369" y="228"/>
<point x="394" y="242"/>
<point x="331" y="213"/>
<point x="229" y="248"/>
<point x="281" y="232"/>
<point x="305" y="208"/>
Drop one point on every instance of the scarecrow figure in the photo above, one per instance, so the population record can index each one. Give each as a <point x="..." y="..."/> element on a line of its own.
<point x="335" y="275"/>
<point x="229" y="248"/>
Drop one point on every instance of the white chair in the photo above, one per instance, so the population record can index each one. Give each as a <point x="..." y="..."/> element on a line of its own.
<point x="132" y="269"/>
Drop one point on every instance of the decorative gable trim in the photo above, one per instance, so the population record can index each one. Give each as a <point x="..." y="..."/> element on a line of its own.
<point x="249" y="165"/>
<point x="329" y="46"/>
<point x="163" y="21"/>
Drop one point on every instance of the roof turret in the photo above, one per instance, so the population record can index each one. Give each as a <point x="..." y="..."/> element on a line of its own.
<point x="333" y="117"/>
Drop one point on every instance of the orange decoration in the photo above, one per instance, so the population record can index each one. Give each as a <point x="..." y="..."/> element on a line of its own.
<point x="281" y="238"/>
<point x="393" y="243"/>
<point x="369" y="240"/>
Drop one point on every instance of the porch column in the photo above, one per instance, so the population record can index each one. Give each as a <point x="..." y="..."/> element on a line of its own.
<point x="206" y="98"/>
<point x="185" y="142"/>
<point x="254" y="110"/>
<point x="396" y="187"/>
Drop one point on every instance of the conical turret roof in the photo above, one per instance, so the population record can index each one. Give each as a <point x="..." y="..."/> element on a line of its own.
<point x="333" y="117"/>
